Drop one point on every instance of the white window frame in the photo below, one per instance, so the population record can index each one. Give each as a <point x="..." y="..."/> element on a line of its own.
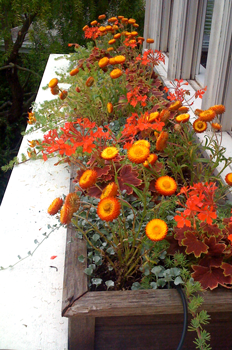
<point x="181" y="42"/>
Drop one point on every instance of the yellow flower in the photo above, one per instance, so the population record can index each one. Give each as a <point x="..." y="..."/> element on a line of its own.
<point x="143" y="143"/>
<point x="156" y="230"/>
<point x="55" y="206"/>
<point x="153" y="116"/>
<point x="109" y="153"/>
<point x="103" y="62"/>
<point x="199" y="125"/>
<point x="88" y="178"/>
<point x="117" y="36"/>
<point x="182" y="118"/>
<point x="207" y="115"/>
<point x="174" y="106"/>
<point x="116" y="73"/>
<point x="110" y="107"/>
<point x="228" y="179"/>
<point x="138" y="153"/>
<point x="120" y="59"/>
<point x="112" y="19"/>
<point x="166" y="185"/>
<point x="108" y="209"/>
<point x="110" y="190"/>
<point x="152" y="158"/>
<point x="53" y="82"/>
<point x="131" y="21"/>
<point x="93" y="23"/>
<point x="112" y="41"/>
<point x="85" y="27"/>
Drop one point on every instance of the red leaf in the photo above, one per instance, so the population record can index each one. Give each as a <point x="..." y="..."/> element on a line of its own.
<point x="130" y="176"/>
<point x="194" y="245"/>
<point x="227" y="269"/>
<point x="210" y="277"/>
<point x="53" y="257"/>
<point x="214" y="247"/>
<point x="174" y="246"/>
<point x="95" y="191"/>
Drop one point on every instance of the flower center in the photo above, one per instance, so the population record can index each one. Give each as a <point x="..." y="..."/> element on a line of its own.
<point x="166" y="184"/>
<point x="156" y="230"/>
<point x="107" y="207"/>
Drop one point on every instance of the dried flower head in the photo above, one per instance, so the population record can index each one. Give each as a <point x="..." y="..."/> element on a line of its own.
<point x="143" y="143"/>
<point x="53" y="82"/>
<point x="207" y="115"/>
<point x="174" y="106"/>
<point x="182" y="118"/>
<point x="110" y="107"/>
<point x="110" y="190"/>
<point x="88" y="178"/>
<point x="116" y="73"/>
<point x="152" y="158"/>
<point x="108" y="209"/>
<point x="103" y="62"/>
<point x="228" y="179"/>
<point x="74" y="72"/>
<point x="109" y="153"/>
<point x="218" y="109"/>
<point x="161" y="141"/>
<point x="199" y="125"/>
<point x="156" y="229"/>
<point x="55" y="206"/>
<point x="138" y="153"/>
<point x="166" y="185"/>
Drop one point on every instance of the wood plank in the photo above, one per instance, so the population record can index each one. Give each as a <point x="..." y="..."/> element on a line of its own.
<point x="81" y="333"/>
<point x="144" y="302"/>
<point x="75" y="280"/>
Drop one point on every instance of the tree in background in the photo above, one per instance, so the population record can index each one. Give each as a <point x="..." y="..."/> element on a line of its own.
<point x="51" y="24"/>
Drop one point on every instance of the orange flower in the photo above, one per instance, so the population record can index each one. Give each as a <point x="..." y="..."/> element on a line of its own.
<point x="228" y="179"/>
<point x="116" y="73"/>
<point x="182" y="118"/>
<point x="156" y="230"/>
<point x="150" y="41"/>
<point x="132" y="41"/>
<point x="93" y="23"/>
<point x="161" y="141"/>
<point x="74" y="72"/>
<point x="89" y="82"/>
<point x="124" y="20"/>
<point x="102" y="29"/>
<point x="230" y="238"/>
<point x="117" y="36"/>
<point x="72" y="200"/>
<point x="110" y="190"/>
<point x="108" y="209"/>
<point x="138" y="153"/>
<point x="55" y="206"/>
<point x="216" y="126"/>
<point x="65" y="215"/>
<point x="141" y="38"/>
<point x="174" y="106"/>
<point x="103" y="62"/>
<point x="166" y="185"/>
<point x="120" y="59"/>
<point x="77" y="89"/>
<point x="112" y="19"/>
<point x="112" y="61"/>
<point x="111" y="42"/>
<point x="199" y="125"/>
<point x="109" y="153"/>
<point x="110" y="48"/>
<point x="164" y="115"/>
<point x="218" y="109"/>
<point x="152" y="158"/>
<point x="55" y="90"/>
<point x="120" y="17"/>
<point x="63" y="94"/>
<point x="198" y="111"/>
<point x="142" y="143"/>
<point x="183" y="109"/>
<point x="31" y="118"/>
<point x="88" y="178"/>
<point x="110" y="107"/>
<point x="153" y="117"/>
<point x="136" y="25"/>
<point x="207" y="115"/>
<point x="85" y="27"/>
<point x="134" y="33"/>
<point x="53" y="82"/>
<point x="108" y="28"/>
<point x="131" y="21"/>
<point x="101" y="17"/>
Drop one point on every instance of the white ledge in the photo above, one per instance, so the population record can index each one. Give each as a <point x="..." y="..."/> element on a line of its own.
<point x="31" y="292"/>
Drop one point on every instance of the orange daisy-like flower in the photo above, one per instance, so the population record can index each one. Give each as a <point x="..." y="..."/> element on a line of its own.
<point x="216" y="126"/>
<point x="218" y="109"/>
<point x="183" y="109"/>
<point x="150" y="41"/>
<point x="153" y="116"/>
<point x="199" y="125"/>
<point x="74" y="72"/>
<point x="143" y="143"/>
<point x="103" y="62"/>
<point x="110" y="190"/>
<point x="161" y="141"/>
<point x="102" y="29"/>
<point x="112" y="41"/>
<point x="141" y="38"/>
<point x="134" y="33"/>
<point x="109" y="153"/>
<point x="117" y="36"/>
<point x="110" y="48"/>
<point x="120" y="59"/>
<point x="182" y="118"/>
<point x="72" y="200"/>
<point x="53" y="83"/>
<point x="112" y="61"/>
<point x="138" y="153"/>
<point x="55" y="206"/>
<point x="116" y="73"/>
<point x="112" y="19"/>
<point x="228" y="179"/>
<point x="89" y="82"/>
<point x="65" y="215"/>
<point x="166" y="185"/>
<point x="93" y="23"/>
<point x="55" y="90"/>
<point x="101" y="17"/>
<point x="31" y="118"/>
<point x="124" y="20"/>
<point x="152" y="158"/>
<point x="85" y="27"/>
<point x="198" y="111"/>
<point x="207" y="115"/>
<point x="88" y="178"/>
<point x="174" y="106"/>
<point x="164" y="115"/>
<point x="63" y="94"/>
<point x="108" y="209"/>
<point x="110" y="107"/>
<point x="131" y="21"/>
<point x="156" y="230"/>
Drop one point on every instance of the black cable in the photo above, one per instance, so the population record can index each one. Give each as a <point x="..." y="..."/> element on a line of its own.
<point x="185" y="325"/>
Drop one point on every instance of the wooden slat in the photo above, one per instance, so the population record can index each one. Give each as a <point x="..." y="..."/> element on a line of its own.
<point x="144" y="302"/>
<point x="75" y="281"/>
<point x="81" y="333"/>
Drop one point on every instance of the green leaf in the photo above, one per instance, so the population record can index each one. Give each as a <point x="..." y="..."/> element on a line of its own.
<point x="81" y="258"/>
<point x="88" y="271"/>
<point x="96" y="281"/>
<point x="109" y="284"/>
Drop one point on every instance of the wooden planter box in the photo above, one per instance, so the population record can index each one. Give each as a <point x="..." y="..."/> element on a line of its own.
<point x="133" y="320"/>
<point x="144" y="319"/>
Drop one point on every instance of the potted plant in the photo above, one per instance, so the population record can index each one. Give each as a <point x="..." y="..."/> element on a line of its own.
<point x="145" y="210"/>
